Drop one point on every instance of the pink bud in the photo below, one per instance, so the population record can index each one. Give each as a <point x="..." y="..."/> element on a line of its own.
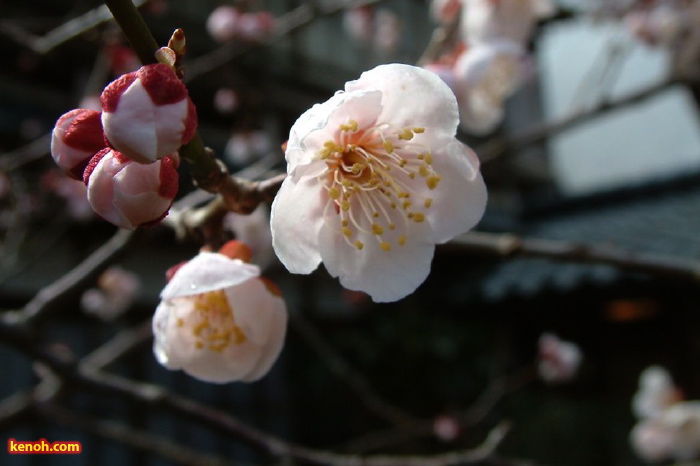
<point x="76" y="137"/>
<point x="222" y="23"/>
<point x="130" y="194"/>
<point x="148" y="114"/>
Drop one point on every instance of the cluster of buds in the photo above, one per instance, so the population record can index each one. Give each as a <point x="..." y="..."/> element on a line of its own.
<point x="127" y="154"/>
<point x="227" y="23"/>
<point x="489" y="62"/>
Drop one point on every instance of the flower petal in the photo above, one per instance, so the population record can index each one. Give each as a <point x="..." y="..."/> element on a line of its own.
<point x="295" y="220"/>
<point x="208" y="271"/>
<point x="411" y="97"/>
<point x="460" y="198"/>
<point x="384" y="275"/>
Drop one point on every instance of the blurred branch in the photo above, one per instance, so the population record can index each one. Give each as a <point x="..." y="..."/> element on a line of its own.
<point x="126" y="435"/>
<point x="65" y="32"/>
<point x="119" y="346"/>
<point x="28" y="153"/>
<point x="291" y="22"/>
<point x="352" y="378"/>
<point x="506" y="245"/>
<point x="500" y="146"/>
<point x="47" y="299"/>
<point x="497" y="389"/>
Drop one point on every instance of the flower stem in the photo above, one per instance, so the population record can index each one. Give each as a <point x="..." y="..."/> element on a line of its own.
<point x="203" y="165"/>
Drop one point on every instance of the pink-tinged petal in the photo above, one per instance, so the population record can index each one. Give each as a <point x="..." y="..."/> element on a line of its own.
<point x="272" y="349"/>
<point x="384" y="275"/>
<point x="295" y="220"/>
<point x="459" y="200"/>
<point x="148" y="114"/>
<point x="321" y="122"/>
<point x="411" y="97"/>
<point x="208" y="271"/>
<point x="129" y="194"/>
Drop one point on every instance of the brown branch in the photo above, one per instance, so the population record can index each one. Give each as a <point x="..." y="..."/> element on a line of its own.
<point x="126" y="435"/>
<point x="63" y="33"/>
<point x="350" y="377"/>
<point x="48" y="298"/>
<point x="507" y="246"/>
<point x="119" y="346"/>
<point x="499" y="146"/>
<point x="291" y="22"/>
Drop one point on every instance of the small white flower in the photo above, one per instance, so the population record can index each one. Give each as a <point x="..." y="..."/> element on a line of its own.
<point x="376" y="179"/>
<point x="656" y="392"/>
<point x="488" y="20"/>
<point x="672" y="434"/>
<point x="558" y="360"/>
<point x="219" y="321"/>
<point x="484" y="77"/>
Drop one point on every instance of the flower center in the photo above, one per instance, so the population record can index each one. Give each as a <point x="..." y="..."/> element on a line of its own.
<point x="214" y="326"/>
<point x="373" y="180"/>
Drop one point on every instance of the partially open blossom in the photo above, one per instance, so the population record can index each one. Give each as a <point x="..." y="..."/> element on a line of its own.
<point x="76" y="137"/>
<point x="672" y="434"/>
<point x="484" y="77"/>
<point x="130" y="194"/>
<point x="558" y="360"/>
<point x="656" y="392"/>
<point x="487" y="20"/>
<point x="375" y="179"/>
<point x="148" y="114"/>
<point x="219" y="321"/>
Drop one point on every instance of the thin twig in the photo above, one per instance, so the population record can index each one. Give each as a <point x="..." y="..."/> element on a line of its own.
<point x="119" y="346"/>
<point x="507" y="246"/>
<point x="63" y="33"/>
<point x="499" y="146"/>
<point x="126" y="435"/>
<point x="350" y="377"/>
<point x="291" y="22"/>
<point x="46" y="300"/>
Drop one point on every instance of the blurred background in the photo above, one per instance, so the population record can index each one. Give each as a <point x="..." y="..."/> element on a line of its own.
<point x="434" y="372"/>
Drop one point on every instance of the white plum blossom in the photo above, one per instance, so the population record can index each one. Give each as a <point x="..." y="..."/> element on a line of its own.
<point x="558" y="360"/>
<point x="375" y="179"/>
<point x="484" y="77"/>
<point x="148" y="114"/>
<point x="484" y="21"/>
<point x="76" y="137"/>
<point x="656" y="392"/>
<point x="219" y="321"/>
<point x="673" y="434"/>
<point x="130" y="194"/>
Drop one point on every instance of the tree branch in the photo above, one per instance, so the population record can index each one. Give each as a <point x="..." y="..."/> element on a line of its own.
<point x="506" y="245"/>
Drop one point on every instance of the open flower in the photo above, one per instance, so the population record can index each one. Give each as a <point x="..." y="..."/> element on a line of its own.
<point x="219" y="321"/>
<point x="376" y="179"/>
<point x="130" y="194"/>
<point x="148" y="114"/>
